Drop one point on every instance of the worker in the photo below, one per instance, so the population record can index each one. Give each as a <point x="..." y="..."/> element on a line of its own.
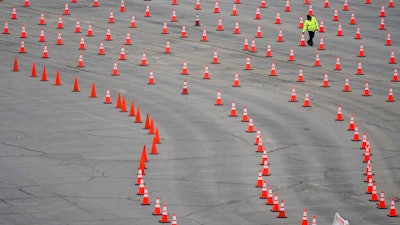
<point x="310" y="25"/>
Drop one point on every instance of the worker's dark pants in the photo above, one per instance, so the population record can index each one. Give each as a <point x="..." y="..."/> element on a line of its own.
<point x="310" y="40"/>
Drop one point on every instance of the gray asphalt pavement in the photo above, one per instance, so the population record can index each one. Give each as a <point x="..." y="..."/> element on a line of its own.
<point x="67" y="158"/>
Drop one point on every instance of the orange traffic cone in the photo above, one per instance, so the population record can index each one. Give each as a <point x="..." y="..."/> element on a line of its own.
<point x="374" y="195"/>
<point x="355" y="134"/>
<point x="122" y="55"/>
<point x="306" y="101"/>
<point x="382" y="24"/>
<point x="216" y="8"/>
<point x="184" y="68"/>
<point x="304" y="220"/>
<point x="265" y="154"/>
<point x="310" y="10"/>
<point x="258" y="15"/>
<point x="107" y="99"/>
<point x="278" y="18"/>
<point x="215" y="58"/>
<point x="6" y="30"/>
<point x="26" y="3"/>
<point x="42" y="20"/>
<point x="122" y="6"/>
<point x="59" y="39"/>
<point x="128" y="39"/>
<point x="132" y="110"/>
<point x="282" y="213"/>
<point x="390" y="97"/>
<point x="133" y="22"/>
<point x="395" y="75"/>
<point x="280" y="36"/>
<point x="291" y="55"/>
<point x="58" y="80"/>
<point x="339" y="31"/>
<point x="361" y="52"/>
<point x="335" y="15"/>
<point x="76" y="85"/>
<point x="392" y="211"/>
<point x="60" y="23"/>
<point x="185" y="88"/>
<point x="263" y="4"/>
<point x="80" y="61"/>
<point x="23" y="32"/>
<point x="234" y="11"/>
<point x="33" y="71"/>
<point x="287" y="6"/>
<point x="351" y="123"/>
<point x="44" y="74"/>
<point x="236" y="82"/>
<point x="138" y="119"/>
<point x="264" y="191"/>
<point x="382" y="13"/>
<point x="147" y="12"/>
<point x="157" y="207"/>
<point x="268" y="52"/>
<point x="144" y="60"/>
<point x="219" y="26"/>
<point x="244" y="115"/>
<point x="301" y="23"/>
<point x="22" y="47"/>
<point x="248" y="64"/>
<point x="123" y="105"/>
<point x="66" y="9"/>
<point x="143" y="156"/>
<point x="93" y="91"/>
<point x="339" y="115"/>
<point x="359" y="69"/>
<point x="317" y="60"/>
<point x="321" y="44"/>
<point x="392" y="59"/>
<point x="167" y="48"/>
<point x="96" y="3"/>
<point x="233" y="109"/>
<point x="108" y="35"/>
<point x="145" y="199"/>
<point x="204" y="37"/>
<point x="14" y="14"/>
<point x="270" y="197"/>
<point x="345" y="6"/>
<point x="364" y="142"/>
<point x="358" y="33"/>
<point x="382" y="203"/>
<point x="352" y="19"/>
<point x="326" y="81"/>
<point x="326" y="4"/>
<point x="388" y="40"/>
<point x="321" y="27"/>
<point x="258" y="136"/>
<point x="157" y="136"/>
<point x="151" y="78"/>
<point x="183" y="33"/>
<point x="154" y="147"/>
<point x="338" y="65"/>
<point x="275" y="205"/>
<point x="293" y="97"/>
<point x="115" y="69"/>
<point x="273" y="70"/>
<point x="45" y="53"/>
<point x="118" y="104"/>
<point x="42" y="38"/>
<point x="206" y="74"/>
<point x="265" y="171"/>
<point x="391" y="4"/>
<point x="370" y="185"/>
<point x="300" y="77"/>
<point x="151" y="127"/>
<point x="346" y="85"/>
<point x="250" y="127"/>
<point x="253" y="46"/>
<point x="174" y="2"/>
<point x="147" y="122"/>
<point x="302" y="41"/>
<point x="77" y="27"/>
<point x="141" y="188"/>
<point x="366" y="89"/>
<point x="259" y="182"/>
<point x="164" y="216"/>
<point x="218" y="100"/>
<point x="236" y="30"/>
<point x="174" y="222"/>
<point x="165" y="28"/>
